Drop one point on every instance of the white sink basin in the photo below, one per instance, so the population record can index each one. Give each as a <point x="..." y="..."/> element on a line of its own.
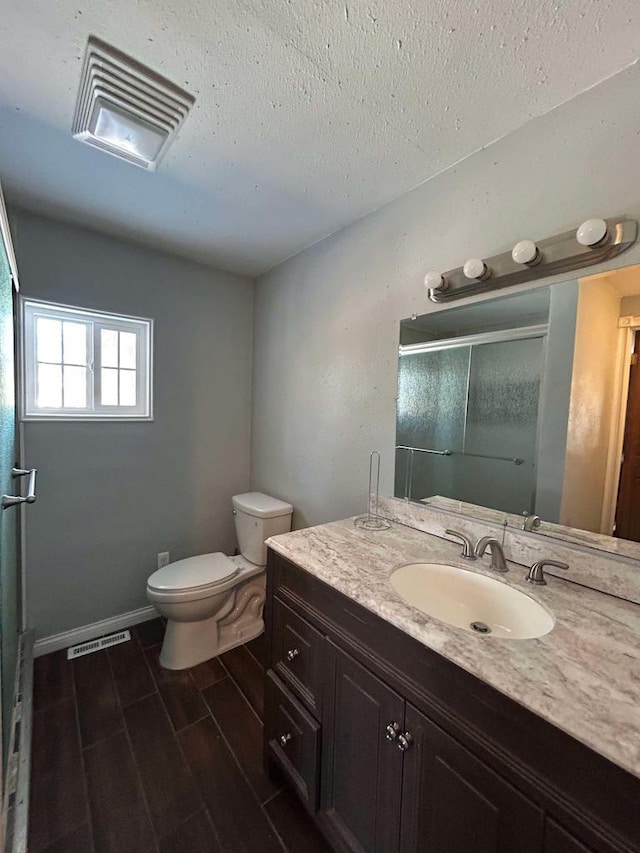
<point x="471" y="601"/>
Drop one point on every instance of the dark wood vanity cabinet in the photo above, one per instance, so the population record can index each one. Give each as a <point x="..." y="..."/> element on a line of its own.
<point x="393" y="780"/>
<point x="558" y="840"/>
<point x="454" y="802"/>
<point x="395" y="750"/>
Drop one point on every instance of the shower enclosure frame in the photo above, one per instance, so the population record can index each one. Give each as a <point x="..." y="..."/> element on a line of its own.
<point x="16" y="720"/>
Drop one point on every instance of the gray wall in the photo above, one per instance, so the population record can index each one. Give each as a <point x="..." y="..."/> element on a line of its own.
<point x="111" y="495"/>
<point x="326" y="321"/>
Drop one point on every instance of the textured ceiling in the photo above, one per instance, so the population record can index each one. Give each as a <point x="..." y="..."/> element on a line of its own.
<point x="309" y="113"/>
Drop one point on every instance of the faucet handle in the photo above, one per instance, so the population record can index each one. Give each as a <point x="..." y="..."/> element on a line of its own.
<point x="468" y="551"/>
<point x="536" y="572"/>
<point x="530" y="522"/>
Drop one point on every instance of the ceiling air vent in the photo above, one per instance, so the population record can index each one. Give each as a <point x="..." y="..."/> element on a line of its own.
<point x="125" y="108"/>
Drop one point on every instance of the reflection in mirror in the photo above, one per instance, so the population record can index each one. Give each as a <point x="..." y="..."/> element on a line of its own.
<point x="528" y="404"/>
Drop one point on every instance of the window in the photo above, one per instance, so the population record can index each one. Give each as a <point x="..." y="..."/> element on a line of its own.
<point x="81" y="364"/>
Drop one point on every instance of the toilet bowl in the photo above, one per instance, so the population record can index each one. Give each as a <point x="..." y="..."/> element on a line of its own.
<point x="212" y="602"/>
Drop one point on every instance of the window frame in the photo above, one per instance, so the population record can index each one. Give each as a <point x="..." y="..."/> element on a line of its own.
<point x="31" y="309"/>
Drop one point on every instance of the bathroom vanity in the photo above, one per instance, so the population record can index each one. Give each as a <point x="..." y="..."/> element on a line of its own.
<point x="401" y="733"/>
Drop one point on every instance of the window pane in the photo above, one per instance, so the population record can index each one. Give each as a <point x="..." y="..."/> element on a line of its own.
<point x="128" y="387"/>
<point x="75" y="343"/>
<point x="109" y="390"/>
<point x="128" y="344"/>
<point x="109" y="346"/>
<point x="75" y="387"/>
<point x="49" y="392"/>
<point x="49" y="340"/>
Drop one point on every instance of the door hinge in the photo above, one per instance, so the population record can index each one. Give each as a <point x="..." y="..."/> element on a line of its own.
<point x="634" y="359"/>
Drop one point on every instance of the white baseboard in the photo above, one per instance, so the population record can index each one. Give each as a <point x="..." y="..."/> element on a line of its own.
<point x="90" y="632"/>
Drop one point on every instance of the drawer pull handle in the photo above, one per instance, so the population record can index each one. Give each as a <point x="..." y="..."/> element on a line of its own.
<point x="284" y="739"/>
<point x="392" y="731"/>
<point x="404" y="741"/>
<point x="292" y="654"/>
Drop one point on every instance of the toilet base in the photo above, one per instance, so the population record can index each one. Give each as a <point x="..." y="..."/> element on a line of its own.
<point x="187" y="644"/>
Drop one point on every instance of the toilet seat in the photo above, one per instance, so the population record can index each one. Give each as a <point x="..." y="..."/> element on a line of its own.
<point x="197" y="575"/>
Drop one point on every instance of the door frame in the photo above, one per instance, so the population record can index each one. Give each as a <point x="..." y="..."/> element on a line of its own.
<point x="24" y="616"/>
<point x="627" y="328"/>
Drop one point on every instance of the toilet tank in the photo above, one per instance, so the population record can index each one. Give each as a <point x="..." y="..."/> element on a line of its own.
<point x="257" y="517"/>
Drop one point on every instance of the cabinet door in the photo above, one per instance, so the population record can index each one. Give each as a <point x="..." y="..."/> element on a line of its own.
<point x="559" y="840"/>
<point x="361" y="769"/>
<point x="454" y="803"/>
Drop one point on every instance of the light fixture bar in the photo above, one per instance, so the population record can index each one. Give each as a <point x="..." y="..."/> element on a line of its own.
<point x="595" y="241"/>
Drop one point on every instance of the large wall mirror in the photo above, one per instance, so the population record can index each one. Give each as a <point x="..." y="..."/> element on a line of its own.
<point x="528" y="405"/>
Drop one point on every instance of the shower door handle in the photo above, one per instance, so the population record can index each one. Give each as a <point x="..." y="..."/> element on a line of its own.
<point x="30" y="497"/>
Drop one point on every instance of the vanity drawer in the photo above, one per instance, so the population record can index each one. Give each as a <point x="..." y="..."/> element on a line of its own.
<point x="297" y="650"/>
<point x="293" y="739"/>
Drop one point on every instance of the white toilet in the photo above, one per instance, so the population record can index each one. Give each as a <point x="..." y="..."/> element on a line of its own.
<point x="213" y="602"/>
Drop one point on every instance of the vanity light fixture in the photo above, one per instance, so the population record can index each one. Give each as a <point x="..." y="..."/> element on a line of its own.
<point x="476" y="269"/>
<point x="126" y="109"/>
<point x="526" y="252"/>
<point x="595" y="241"/>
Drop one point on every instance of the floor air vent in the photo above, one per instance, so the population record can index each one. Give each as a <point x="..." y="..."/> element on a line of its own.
<point x="96" y="645"/>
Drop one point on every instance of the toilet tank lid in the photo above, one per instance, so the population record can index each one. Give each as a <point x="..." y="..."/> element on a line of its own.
<point x="261" y="506"/>
<point x="202" y="570"/>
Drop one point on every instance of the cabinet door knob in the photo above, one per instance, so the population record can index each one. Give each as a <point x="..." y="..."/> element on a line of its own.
<point x="284" y="739"/>
<point x="292" y="654"/>
<point x="404" y="741"/>
<point x="391" y="732"/>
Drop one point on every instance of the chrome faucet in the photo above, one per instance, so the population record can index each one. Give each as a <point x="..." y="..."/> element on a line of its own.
<point x="498" y="562"/>
<point x="536" y="572"/>
<point x="530" y="522"/>
<point x="467" y="545"/>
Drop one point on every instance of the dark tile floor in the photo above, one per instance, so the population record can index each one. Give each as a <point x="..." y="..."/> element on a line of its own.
<point x="128" y="756"/>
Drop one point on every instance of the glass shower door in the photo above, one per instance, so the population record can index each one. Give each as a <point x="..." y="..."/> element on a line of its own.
<point x="500" y="447"/>
<point x="9" y="518"/>
<point x="432" y="394"/>
<point x="467" y="422"/>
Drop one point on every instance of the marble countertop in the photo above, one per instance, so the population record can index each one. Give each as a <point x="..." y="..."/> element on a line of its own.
<point x="583" y="677"/>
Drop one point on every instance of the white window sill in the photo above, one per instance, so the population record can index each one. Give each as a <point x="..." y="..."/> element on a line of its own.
<point x="58" y="419"/>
